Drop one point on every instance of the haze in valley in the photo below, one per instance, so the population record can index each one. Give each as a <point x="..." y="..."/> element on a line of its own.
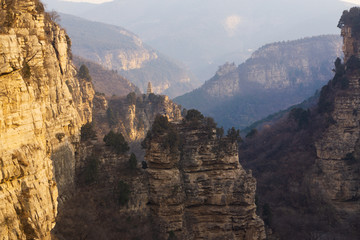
<point x="204" y="34"/>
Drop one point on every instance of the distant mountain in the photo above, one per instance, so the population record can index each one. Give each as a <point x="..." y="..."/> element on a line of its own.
<point x="106" y="81"/>
<point x="275" y="77"/>
<point x="115" y="48"/>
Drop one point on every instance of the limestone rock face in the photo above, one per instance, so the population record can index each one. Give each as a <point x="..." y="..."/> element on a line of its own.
<point x="351" y="44"/>
<point x="133" y="116"/>
<point x="139" y="119"/>
<point x="201" y="191"/>
<point x="338" y="150"/>
<point x="39" y="97"/>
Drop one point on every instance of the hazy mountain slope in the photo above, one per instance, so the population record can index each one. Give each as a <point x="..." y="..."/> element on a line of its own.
<point x="118" y="49"/>
<point x="276" y="76"/>
<point x="273" y="118"/>
<point x="106" y="81"/>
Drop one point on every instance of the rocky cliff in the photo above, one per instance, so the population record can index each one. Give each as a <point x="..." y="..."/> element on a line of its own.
<point x="275" y="77"/>
<point x="199" y="190"/>
<point x="191" y="187"/>
<point x="132" y="115"/>
<point x="42" y="107"/>
<point x="338" y="148"/>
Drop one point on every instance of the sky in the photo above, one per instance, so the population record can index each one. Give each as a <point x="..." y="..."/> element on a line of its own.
<point x="88" y="1"/>
<point x="355" y="2"/>
<point x="204" y="34"/>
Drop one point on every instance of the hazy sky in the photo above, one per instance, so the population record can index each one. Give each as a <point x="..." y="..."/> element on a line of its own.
<point x="88" y="1"/>
<point x="201" y="33"/>
<point x="356" y="2"/>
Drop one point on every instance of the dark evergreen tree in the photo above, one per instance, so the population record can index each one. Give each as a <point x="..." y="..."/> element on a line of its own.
<point x="87" y="132"/>
<point x="234" y="135"/>
<point x="84" y="73"/>
<point x="117" y="142"/>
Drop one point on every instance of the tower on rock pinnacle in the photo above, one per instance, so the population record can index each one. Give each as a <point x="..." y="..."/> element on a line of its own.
<point x="149" y="89"/>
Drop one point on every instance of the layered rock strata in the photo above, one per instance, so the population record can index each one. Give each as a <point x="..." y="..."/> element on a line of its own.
<point x="42" y="107"/>
<point x="201" y="191"/>
<point x="132" y="115"/>
<point x="338" y="149"/>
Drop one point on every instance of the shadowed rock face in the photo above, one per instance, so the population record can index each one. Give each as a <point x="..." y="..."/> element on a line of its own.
<point x="201" y="191"/>
<point x="42" y="107"/>
<point x="338" y="149"/>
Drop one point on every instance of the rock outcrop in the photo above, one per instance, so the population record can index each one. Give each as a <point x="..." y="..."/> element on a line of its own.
<point x="132" y="115"/>
<point x="200" y="191"/>
<point x="42" y="107"/>
<point x="338" y="155"/>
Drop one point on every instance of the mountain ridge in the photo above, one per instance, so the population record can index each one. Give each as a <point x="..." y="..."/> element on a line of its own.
<point x="239" y="95"/>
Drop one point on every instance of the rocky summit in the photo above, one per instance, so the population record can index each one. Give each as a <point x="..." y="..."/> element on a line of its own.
<point x="199" y="190"/>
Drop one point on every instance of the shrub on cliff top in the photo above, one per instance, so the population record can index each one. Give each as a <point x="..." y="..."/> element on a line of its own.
<point x="84" y="73"/>
<point x="194" y="115"/>
<point x="161" y="125"/>
<point x="351" y="18"/>
<point x="131" y="98"/>
<point x="169" y="135"/>
<point x="234" y="135"/>
<point x="117" y="142"/>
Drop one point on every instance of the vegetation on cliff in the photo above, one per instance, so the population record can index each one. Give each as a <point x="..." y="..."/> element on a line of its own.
<point x="351" y="18"/>
<point x="117" y="142"/>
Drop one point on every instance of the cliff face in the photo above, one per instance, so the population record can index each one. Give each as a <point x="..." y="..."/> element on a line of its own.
<point x="133" y="115"/>
<point x="201" y="191"/>
<point x="338" y="149"/>
<point x="40" y="119"/>
<point x="197" y="190"/>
